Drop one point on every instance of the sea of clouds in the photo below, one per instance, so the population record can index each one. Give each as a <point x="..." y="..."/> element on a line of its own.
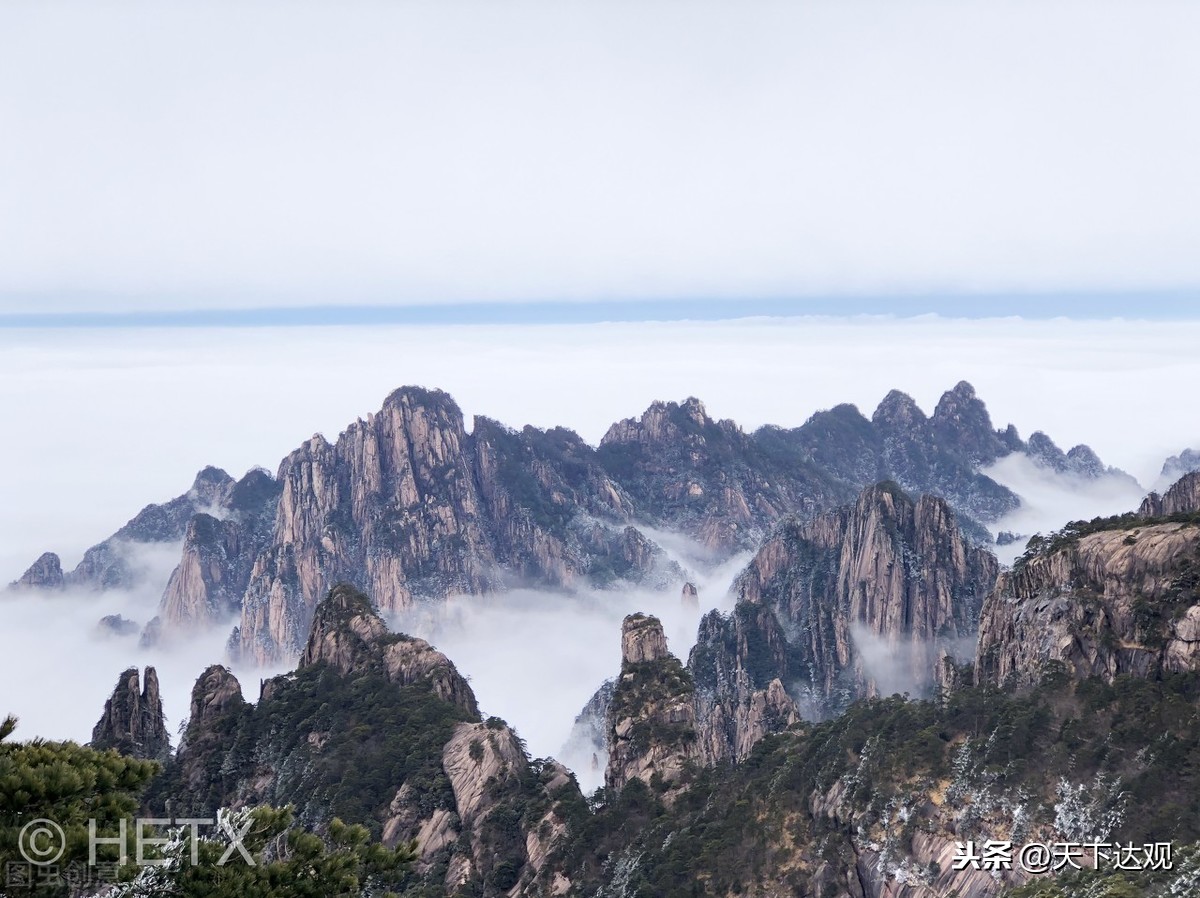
<point x="107" y="421"/>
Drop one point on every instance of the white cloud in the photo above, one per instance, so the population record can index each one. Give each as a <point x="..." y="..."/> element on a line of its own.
<point x="104" y="422"/>
<point x="52" y="640"/>
<point x="279" y="152"/>
<point x="535" y="658"/>
<point x="1049" y="500"/>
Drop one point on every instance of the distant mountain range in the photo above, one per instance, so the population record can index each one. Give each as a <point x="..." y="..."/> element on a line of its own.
<point x="410" y="505"/>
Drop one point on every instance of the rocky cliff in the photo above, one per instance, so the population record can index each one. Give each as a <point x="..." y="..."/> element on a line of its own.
<point x="1183" y="497"/>
<point x="651" y="717"/>
<point x="1176" y="466"/>
<point x="349" y="636"/>
<point x="219" y="549"/>
<point x="875" y="801"/>
<point x="45" y="573"/>
<point x="709" y="478"/>
<point x="494" y="788"/>
<point x="1123" y="598"/>
<point x="940" y="453"/>
<point x="133" y="721"/>
<point x="112" y="564"/>
<point x="379" y="728"/>
<point x="654" y="724"/>
<point x="858" y="601"/>
<point x="733" y="713"/>
<point x="408" y="504"/>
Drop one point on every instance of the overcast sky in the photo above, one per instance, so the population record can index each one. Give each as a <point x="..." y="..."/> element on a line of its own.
<point x="170" y="155"/>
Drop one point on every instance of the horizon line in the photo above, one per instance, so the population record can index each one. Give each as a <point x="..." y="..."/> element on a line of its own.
<point x="1146" y="305"/>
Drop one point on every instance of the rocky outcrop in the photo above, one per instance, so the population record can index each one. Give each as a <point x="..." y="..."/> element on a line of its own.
<point x="1079" y="461"/>
<point x="408" y="504"/>
<point x="206" y="588"/>
<point x="216" y="691"/>
<point x="939" y="454"/>
<point x="651" y="718"/>
<point x="960" y="423"/>
<point x="490" y="776"/>
<point x="200" y="591"/>
<point x="116" y="625"/>
<point x="642" y="640"/>
<point x="45" y="573"/>
<point x="1176" y="466"/>
<point x="1182" y="498"/>
<point x="889" y="861"/>
<point x="709" y="478"/>
<point x="133" y="721"/>
<point x="1123" y="600"/>
<point x="732" y="712"/>
<point x="112" y="563"/>
<point x="348" y="636"/>
<point x="859" y="601"/>
<point x="380" y="729"/>
<point x="200" y="769"/>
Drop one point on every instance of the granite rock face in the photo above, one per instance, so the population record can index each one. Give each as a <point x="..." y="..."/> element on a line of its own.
<point x="1124" y="600"/>
<point x="133" y="721"/>
<point x="205" y="590"/>
<point x="112" y="563"/>
<point x="381" y="729"/>
<point x="733" y="712"/>
<point x="410" y="505"/>
<point x="1176" y="466"/>
<point x="45" y="573"/>
<point x="487" y="768"/>
<point x="216" y="709"/>
<point x="651" y="717"/>
<point x="856" y="602"/>
<point x="659" y="726"/>
<point x="1183" y="497"/>
<point x="348" y="635"/>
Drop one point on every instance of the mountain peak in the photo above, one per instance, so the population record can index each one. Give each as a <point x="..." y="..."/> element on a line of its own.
<point x="642" y="639"/>
<point x="215" y="690"/>
<point x="1177" y="465"/>
<point x="1182" y="498"/>
<point x="349" y="636"/>
<point x="211" y="486"/>
<point x="962" y="399"/>
<point x="411" y="396"/>
<point x="887" y="495"/>
<point x="662" y="422"/>
<point x="345" y="630"/>
<point x="695" y="410"/>
<point x="45" y="573"/>
<point x="961" y="423"/>
<point x="898" y="409"/>
<point x="133" y="721"/>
